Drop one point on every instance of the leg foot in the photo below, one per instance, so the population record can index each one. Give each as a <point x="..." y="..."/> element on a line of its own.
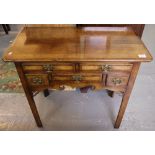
<point x="85" y="89"/>
<point x="110" y="93"/>
<point x="8" y="27"/>
<point x="5" y="28"/>
<point x="46" y="92"/>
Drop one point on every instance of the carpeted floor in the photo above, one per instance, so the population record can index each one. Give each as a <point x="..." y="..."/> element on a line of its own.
<point x="9" y="80"/>
<point x="76" y="111"/>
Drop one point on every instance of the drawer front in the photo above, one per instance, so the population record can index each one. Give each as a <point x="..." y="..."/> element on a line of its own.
<point x="48" y="67"/>
<point x="72" y="67"/>
<point x="117" y="79"/>
<point x="78" y="77"/>
<point x="111" y="75"/>
<point x="37" y="79"/>
<point x="106" y="67"/>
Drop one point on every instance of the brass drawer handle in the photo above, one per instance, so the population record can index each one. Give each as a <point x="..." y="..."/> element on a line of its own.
<point x="77" y="77"/>
<point x="106" y="68"/>
<point x="37" y="80"/>
<point x="48" y="67"/>
<point x="116" y="81"/>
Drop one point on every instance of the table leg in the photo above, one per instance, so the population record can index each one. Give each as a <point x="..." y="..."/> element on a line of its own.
<point x="85" y="89"/>
<point x="46" y="92"/>
<point x="126" y="95"/>
<point x="110" y="93"/>
<point x="5" y="28"/>
<point x="28" y="94"/>
<point x="8" y="27"/>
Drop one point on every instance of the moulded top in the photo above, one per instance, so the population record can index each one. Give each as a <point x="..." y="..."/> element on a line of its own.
<point x="77" y="44"/>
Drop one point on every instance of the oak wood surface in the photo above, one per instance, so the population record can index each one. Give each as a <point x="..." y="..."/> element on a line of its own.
<point x="137" y="28"/>
<point x="77" y="44"/>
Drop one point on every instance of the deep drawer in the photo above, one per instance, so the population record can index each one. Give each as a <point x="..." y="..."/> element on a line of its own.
<point x="78" y="77"/>
<point x="37" y="79"/>
<point x="117" y="79"/>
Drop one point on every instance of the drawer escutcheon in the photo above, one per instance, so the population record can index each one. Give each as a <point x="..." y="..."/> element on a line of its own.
<point x="48" y="67"/>
<point x="116" y="81"/>
<point x="77" y="78"/>
<point x="37" y="80"/>
<point x="106" y="68"/>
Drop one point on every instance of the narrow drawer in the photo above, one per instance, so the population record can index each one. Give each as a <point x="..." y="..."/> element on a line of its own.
<point x="117" y="79"/>
<point x="48" y="67"/>
<point x="106" y="67"/>
<point x="37" y="79"/>
<point x="78" y="77"/>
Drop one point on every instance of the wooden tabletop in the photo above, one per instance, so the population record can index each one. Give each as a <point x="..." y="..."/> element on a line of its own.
<point x="77" y="44"/>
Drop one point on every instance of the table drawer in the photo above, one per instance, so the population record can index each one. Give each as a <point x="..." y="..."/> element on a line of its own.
<point x="37" y="79"/>
<point x="106" y="67"/>
<point x="117" y="79"/>
<point x="78" y="77"/>
<point x="48" y="67"/>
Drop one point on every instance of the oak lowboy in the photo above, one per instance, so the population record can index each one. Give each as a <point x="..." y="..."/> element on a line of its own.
<point x="85" y="58"/>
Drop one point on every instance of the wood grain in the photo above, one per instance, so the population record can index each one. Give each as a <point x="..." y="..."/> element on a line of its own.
<point x="137" y="28"/>
<point x="73" y="44"/>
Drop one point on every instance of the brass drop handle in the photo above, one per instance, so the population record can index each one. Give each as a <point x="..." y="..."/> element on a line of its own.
<point x="37" y="80"/>
<point x="106" y="68"/>
<point x="116" y="81"/>
<point x="48" y="67"/>
<point x="77" y="78"/>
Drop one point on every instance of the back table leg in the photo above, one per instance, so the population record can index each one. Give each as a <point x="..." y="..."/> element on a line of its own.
<point x="5" y="28"/>
<point x="110" y="93"/>
<point x="28" y="94"/>
<point x="127" y="94"/>
<point x="46" y="92"/>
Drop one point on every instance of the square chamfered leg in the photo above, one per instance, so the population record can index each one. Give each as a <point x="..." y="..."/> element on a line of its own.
<point x="46" y="92"/>
<point x="8" y="27"/>
<point x="110" y="93"/>
<point x="28" y="94"/>
<point x="5" y="28"/>
<point x="127" y="94"/>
